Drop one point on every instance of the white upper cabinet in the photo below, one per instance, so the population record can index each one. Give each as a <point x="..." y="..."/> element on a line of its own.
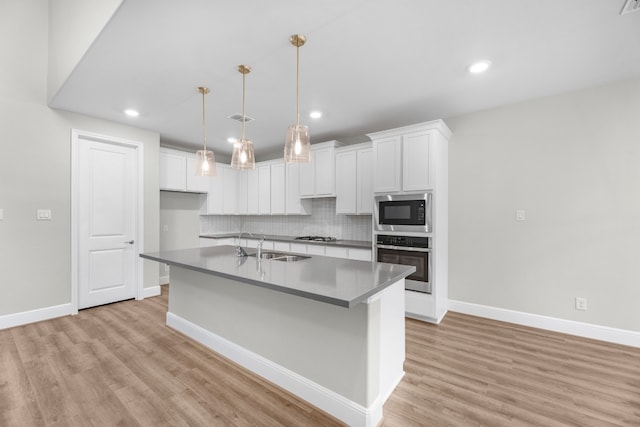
<point x="354" y="179"/>
<point x="243" y="188"/>
<point x="253" y="191"/>
<point x="178" y="172"/>
<point x="388" y="161"/>
<point x="403" y="157"/>
<point x="346" y="178"/>
<point x="293" y="204"/>
<point x="264" y="189"/>
<point x="416" y="162"/>
<point x="278" y="187"/>
<point x="173" y="170"/>
<point x="317" y="179"/>
<point x="215" y="195"/>
<point x="364" y="198"/>
<point x="230" y="189"/>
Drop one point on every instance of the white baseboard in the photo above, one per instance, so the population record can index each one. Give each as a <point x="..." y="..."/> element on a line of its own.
<point x="586" y="330"/>
<point x="329" y="401"/>
<point x="152" y="291"/>
<point x="32" y="316"/>
<point x="164" y="280"/>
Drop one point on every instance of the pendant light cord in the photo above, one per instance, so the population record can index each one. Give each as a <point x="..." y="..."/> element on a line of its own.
<point x="204" y="123"/>
<point x="297" y="85"/>
<point x="244" y="117"/>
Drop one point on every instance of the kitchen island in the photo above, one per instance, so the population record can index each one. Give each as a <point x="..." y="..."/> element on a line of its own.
<point x="328" y="330"/>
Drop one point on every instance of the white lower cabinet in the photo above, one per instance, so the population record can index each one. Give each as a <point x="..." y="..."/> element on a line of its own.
<point x="360" y="254"/>
<point x="336" y="252"/>
<point x="419" y="305"/>
<point x="207" y="242"/>
<point x="315" y="249"/>
<point x="298" y="248"/>
<point x="281" y="246"/>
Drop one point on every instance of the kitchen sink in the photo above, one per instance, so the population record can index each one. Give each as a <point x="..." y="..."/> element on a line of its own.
<point x="278" y="256"/>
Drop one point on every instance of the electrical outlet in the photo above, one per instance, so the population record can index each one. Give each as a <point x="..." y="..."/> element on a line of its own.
<point x="166" y="267"/>
<point x="43" y="215"/>
<point x="581" y="304"/>
<point x="165" y="228"/>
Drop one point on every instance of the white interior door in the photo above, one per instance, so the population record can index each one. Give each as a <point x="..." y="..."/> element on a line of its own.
<point x="107" y="201"/>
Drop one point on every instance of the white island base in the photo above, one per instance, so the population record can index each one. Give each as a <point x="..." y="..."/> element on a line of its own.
<point x="345" y="361"/>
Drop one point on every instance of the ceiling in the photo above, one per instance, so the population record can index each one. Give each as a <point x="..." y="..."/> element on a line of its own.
<point x="368" y="65"/>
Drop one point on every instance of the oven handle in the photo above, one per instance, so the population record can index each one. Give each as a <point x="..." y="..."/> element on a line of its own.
<point x="403" y="248"/>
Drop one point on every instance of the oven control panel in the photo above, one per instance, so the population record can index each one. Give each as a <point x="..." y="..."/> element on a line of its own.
<point x="406" y="241"/>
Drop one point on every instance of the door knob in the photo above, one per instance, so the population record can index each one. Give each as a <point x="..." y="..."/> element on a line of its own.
<point x="130" y="242"/>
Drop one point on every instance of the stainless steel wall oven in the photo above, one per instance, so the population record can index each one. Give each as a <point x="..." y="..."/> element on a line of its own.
<point x="408" y="250"/>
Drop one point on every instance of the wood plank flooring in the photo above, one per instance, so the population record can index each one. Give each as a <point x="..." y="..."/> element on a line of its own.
<point x="121" y="365"/>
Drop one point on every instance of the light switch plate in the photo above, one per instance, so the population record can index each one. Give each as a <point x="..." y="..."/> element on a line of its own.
<point x="520" y="216"/>
<point x="43" y="215"/>
<point x="1" y="214"/>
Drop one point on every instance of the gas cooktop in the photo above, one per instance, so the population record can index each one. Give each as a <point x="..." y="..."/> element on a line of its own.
<point x="317" y="238"/>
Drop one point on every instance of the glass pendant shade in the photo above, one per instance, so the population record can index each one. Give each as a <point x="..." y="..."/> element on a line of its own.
<point x="205" y="160"/>
<point x="243" y="157"/>
<point x="205" y="163"/>
<point x="297" y="147"/>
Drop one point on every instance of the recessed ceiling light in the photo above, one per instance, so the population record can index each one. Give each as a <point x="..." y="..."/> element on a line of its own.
<point x="315" y="114"/>
<point x="479" y="67"/>
<point x="131" y="113"/>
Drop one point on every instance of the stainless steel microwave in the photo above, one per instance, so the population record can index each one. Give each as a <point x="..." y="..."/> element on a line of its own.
<point x="403" y="212"/>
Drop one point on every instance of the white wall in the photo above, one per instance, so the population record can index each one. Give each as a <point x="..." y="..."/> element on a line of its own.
<point x="73" y="26"/>
<point x="35" y="169"/>
<point x="572" y="162"/>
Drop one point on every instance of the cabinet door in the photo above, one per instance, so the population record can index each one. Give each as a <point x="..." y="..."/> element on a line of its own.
<point x="173" y="171"/>
<point x="196" y="184"/>
<point x="264" y="189"/>
<point x="253" y="192"/>
<point x="215" y="195"/>
<point x="315" y="249"/>
<point x="360" y="254"/>
<point x="335" y="252"/>
<point x="243" y="185"/>
<point x="323" y="159"/>
<point x="278" y="188"/>
<point x="387" y="164"/>
<point x="346" y="179"/>
<point x="281" y="246"/>
<point x="230" y="183"/>
<point x="293" y="204"/>
<point x="416" y="159"/>
<point x="364" y="204"/>
<point x="307" y="177"/>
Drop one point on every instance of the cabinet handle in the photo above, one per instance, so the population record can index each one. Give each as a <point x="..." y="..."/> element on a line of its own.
<point x="130" y="242"/>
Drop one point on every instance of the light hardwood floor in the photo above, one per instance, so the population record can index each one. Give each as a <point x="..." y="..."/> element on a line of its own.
<point x="120" y="365"/>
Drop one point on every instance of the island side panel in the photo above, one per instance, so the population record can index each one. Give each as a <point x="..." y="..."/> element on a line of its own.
<point x="335" y="347"/>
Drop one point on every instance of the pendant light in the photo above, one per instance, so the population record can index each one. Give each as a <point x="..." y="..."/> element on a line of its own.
<point x="297" y="147"/>
<point x="205" y="160"/>
<point x="243" y="156"/>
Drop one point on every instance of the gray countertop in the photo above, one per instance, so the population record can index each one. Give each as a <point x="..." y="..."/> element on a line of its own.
<point x="335" y="281"/>
<point x="361" y="244"/>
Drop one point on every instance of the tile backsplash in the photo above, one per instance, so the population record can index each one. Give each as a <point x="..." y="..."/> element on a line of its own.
<point x="323" y="221"/>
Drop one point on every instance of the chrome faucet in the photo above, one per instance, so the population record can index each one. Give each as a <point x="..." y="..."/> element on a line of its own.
<point x="259" y="248"/>
<point x="239" y="249"/>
